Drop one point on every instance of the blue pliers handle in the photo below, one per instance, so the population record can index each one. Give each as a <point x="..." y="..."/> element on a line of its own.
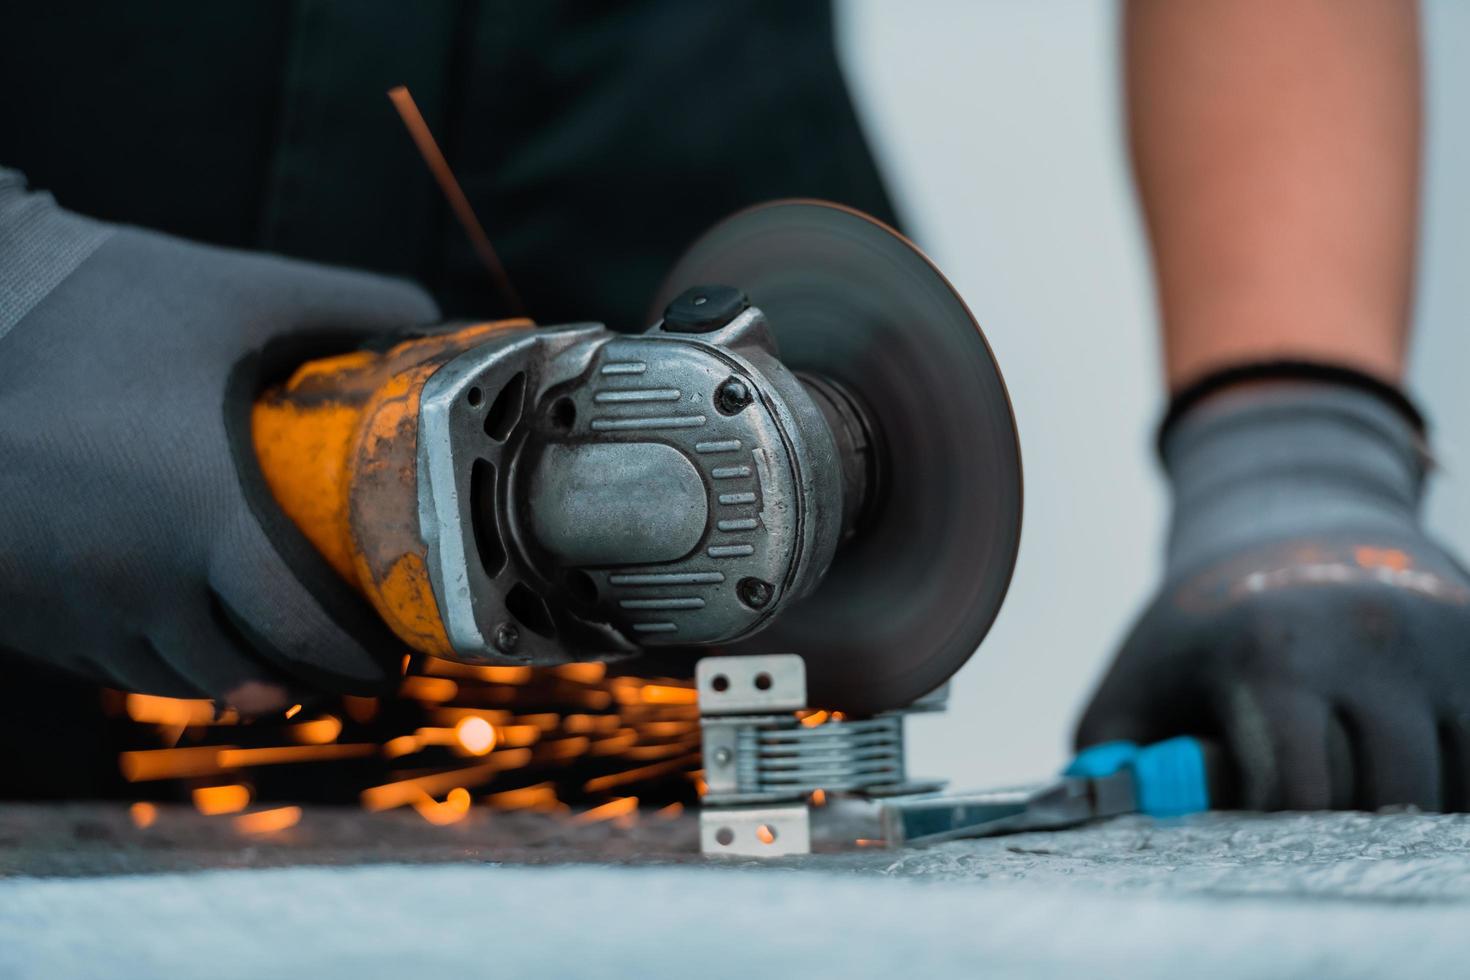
<point x="1170" y="778"/>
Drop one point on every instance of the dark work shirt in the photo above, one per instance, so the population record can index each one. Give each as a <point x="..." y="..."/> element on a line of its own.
<point x="594" y="140"/>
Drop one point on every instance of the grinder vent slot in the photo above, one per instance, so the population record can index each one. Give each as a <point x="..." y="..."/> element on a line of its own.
<point x="505" y="411"/>
<point x="530" y="610"/>
<point x="487" y="531"/>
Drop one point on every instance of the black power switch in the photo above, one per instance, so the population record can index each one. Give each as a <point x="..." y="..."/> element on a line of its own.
<point x="702" y="309"/>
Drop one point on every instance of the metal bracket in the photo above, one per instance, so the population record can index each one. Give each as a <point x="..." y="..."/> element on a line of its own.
<point x="751" y="685"/>
<point x="763" y="761"/>
<point x="756" y="831"/>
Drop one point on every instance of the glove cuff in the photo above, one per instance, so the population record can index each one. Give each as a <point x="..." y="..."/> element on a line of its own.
<point x="1287" y="370"/>
<point x="1291" y="458"/>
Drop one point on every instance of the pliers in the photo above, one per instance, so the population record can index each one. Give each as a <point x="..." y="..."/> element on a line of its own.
<point x="1170" y="778"/>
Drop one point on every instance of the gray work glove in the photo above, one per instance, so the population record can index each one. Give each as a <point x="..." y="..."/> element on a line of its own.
<point x="138" y="542"/>
<point x="1306" y="621"/>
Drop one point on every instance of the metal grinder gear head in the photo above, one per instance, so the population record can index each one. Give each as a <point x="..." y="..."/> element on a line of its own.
<point x="600" y="493"/>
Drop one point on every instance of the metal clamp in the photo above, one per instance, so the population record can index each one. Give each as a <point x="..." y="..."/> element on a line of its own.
<point x="763" y="760"/>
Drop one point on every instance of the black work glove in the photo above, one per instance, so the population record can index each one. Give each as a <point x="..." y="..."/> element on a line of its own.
<point x="1306" y="621"/>
<point x="138" y="543"/>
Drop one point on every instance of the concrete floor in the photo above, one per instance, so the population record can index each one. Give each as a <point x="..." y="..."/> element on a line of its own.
<point x="351" y="894"/>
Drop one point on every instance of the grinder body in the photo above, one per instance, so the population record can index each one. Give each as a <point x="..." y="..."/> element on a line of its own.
<point x="504" y="493"/>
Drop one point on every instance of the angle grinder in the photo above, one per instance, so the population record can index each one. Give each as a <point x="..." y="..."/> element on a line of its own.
<point x="810" y="451"/>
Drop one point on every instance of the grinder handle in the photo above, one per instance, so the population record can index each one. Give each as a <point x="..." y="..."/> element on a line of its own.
<point x="337" y="444"/>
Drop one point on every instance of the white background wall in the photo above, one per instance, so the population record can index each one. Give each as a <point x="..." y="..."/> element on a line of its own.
<point x="999" y="127"/>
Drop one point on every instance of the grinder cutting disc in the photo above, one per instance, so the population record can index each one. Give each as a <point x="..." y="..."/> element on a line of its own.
<point x="909" y="598"/>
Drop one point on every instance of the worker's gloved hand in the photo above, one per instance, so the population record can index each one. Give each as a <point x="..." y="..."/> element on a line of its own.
<point x="138" y="544"/>
<point x="1306" y="620"/>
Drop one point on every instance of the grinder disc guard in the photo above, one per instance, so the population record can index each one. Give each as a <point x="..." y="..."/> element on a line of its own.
<point x="909" y="598"/>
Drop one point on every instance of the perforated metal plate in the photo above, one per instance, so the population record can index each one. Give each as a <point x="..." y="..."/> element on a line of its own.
<point x="907" y="601"/>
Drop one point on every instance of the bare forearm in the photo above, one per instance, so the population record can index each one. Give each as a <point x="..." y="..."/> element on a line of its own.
<point x="1276" y="148"/>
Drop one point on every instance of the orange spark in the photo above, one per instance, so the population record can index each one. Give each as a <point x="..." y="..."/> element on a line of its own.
<point x="505" y="675"/>
<point x="602" y="784"/>
<point x="153" y="710"/>
<point x="215" y="800"/>
<point x="293" y="711"/>
<point x="428" y="688"/>
<point x="519" y="736"/>
<point x="666" y="729"/>
<point x="474" y="729"/>
<point x="452" y="716"/>
<point x="476" y="735"/>
<point x="418" y="129"/>
<point x="591" y="699"/>
<point x="561" y="749"/>
<point x="591" y="724"/>
<point x="539" y="796"/>
<point x="454" y="808"/>
<point x="607" y="811"/>
<point x="589" y="673"/>
<point x="318" y="732"/>
<point x="626" y="691"/>
<point x="765" y="834"/>
<point x="360" y="710"/>
<point x="615" y="744"/>
<point x="143" y="814"/>
<point x="404" y="791"/>
<point x="147" y="764"/>
<point x="819" y="797"/>
<point x="815" y="718"/>
<point x="431" y="735"/>
<point x="440" y="667"/>
<point x="268" y="821"/>
<point x="667" y="694"/>
<point x="277" y="755"/>
<point x="402" y="745"/>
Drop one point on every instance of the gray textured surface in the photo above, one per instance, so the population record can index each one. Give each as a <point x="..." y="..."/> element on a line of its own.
<point x="1222" y="895"/>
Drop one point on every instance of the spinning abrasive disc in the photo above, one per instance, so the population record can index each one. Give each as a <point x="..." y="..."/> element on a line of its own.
<point x="910" y="597"/>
